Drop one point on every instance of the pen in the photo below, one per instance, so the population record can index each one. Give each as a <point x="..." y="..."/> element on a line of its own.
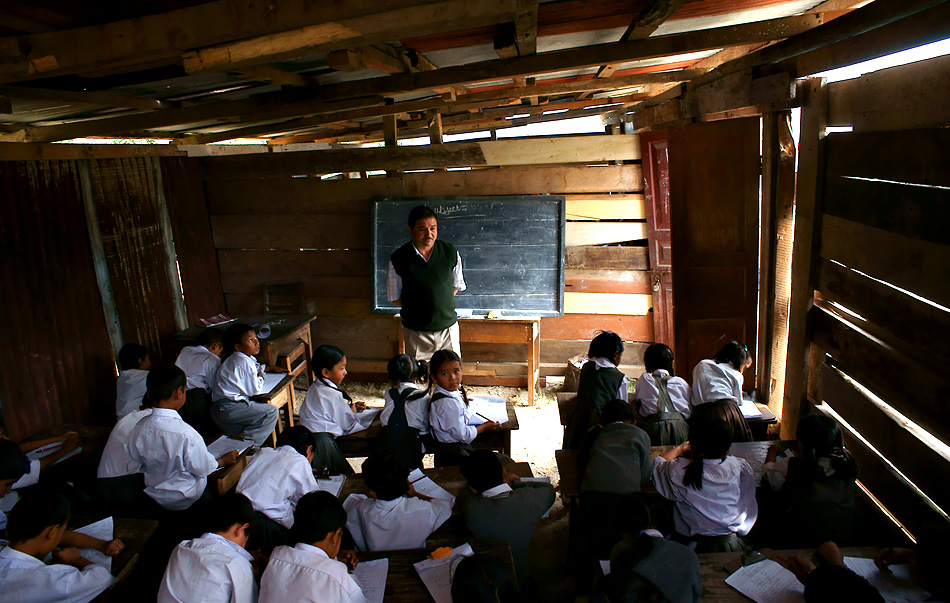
<point x="484" y="417"/>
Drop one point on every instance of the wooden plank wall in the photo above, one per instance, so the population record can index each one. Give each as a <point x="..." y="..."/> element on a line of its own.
<point x="57" y="362"/>
<point x="880" y="325"/>
<point x="277" y="227"/>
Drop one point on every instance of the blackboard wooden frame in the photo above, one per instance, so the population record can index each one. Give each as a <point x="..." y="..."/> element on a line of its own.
<point x="491" y="269"/>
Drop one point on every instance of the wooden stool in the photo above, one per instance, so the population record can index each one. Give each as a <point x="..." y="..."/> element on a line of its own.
<point x="296" y="350"/>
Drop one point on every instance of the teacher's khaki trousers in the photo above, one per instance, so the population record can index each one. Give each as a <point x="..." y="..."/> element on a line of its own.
<point x="421" y="345"/>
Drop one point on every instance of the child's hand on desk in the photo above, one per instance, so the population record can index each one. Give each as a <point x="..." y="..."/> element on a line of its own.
<point x="111" y="548"/>
<point x="70" y="556"/>
<point x="773" y="452"/>
<point x="275" y="369"/>
<point x="359" y="406"/>
<point x="71" y="443"/>
<point x="349" y="558"/>
<point x="510" y="477"/>
<point x="412" y="492"/>
<point x="676" y="452"/>
<point x="228" y="458"/>
<point x="486" y="426"/>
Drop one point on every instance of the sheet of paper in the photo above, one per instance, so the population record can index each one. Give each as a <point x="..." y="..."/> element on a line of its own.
<point x="271" y="380"/>
<point x="749" y="410"/>
<point x="545" y="480"/>
<point x="332" y="485"/>
<point x="371" y="576"/>
<point x="767" y="582"/>
<point x="605" y="566"/>
<point x="430" y="488"/>
<point x="896" y="587"/>
<point x="224" y="445"/>
<point x="437" y="574"/>
<point x="492" y="408"/>
<point x="44" y="451"/>
<point x="103" y="530"/>
<point x="416" y="474"/>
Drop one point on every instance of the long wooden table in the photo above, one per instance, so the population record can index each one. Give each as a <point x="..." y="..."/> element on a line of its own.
<point x="753" y="453"/>
<point x="499" y="440"/>
<point x="403" y="583"/>
<point x="284" y="329"/>
<point x="82" y="466"/>
<point x="716" y="567"/>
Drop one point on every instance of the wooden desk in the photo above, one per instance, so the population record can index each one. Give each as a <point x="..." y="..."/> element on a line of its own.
<point x="716" y="567"/>
<point x="281" y="396"/>
<point x="403" y="583"/>
<point x="503" y="331"/>
<point x="284" y="329"/>
<point x="225" y="478"/>
<point x="359" y="443"/>
<point x="449" y="478"/>
<point x="753" y="453"/>
<point x="82" y="466"/>
<point x="134" y="533"/>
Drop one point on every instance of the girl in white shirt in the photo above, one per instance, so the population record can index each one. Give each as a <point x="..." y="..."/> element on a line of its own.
<point x="328" y="411"/>
<point x="663" y="398"/>
<point x="449" y="414"/>
<point x="713" y="493"/>
<point x="405" y="416"/>
<point x="717" y="389"/>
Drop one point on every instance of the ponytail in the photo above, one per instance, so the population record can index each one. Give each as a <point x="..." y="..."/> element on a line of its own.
<point x="422" y="372"/>
<point x="708" y="440"/>
<point x="693" y="474"/>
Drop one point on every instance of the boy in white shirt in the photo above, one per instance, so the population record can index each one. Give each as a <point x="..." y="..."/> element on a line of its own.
<point x="134" y="363"/>
<point x="215" y="568"/>
<point x="37" y="528"/>
<point x="175" y="459"/>
<point x="308" y="572"/>
<point x="120" y="484"/>
<point x="394" y="516"/>
<point x="274" y="480"/>
<point x="240" y="379"/>
<point x="201" y="363"/>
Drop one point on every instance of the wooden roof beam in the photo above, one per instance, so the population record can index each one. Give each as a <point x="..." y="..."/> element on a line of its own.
<point x="102" y="99"/>
<point x="520" y="37"/>
<point x="264" y="73"/>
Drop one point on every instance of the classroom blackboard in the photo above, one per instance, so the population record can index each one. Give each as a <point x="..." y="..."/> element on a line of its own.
<point x="512" y="250"/>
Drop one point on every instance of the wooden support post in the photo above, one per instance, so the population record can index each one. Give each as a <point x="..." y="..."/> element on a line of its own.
<point x="435" y="127"/>
<point x="390" y="136"/>
<point x="168" y="244"/>
<point x="804" y="253"/>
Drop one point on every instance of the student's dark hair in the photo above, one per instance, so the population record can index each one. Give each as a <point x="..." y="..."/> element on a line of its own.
<point x="226" y="510"/>
<point x="483" y="470"/>
<point x="37" y="509"/>
<point x="162" y="382"/>
<point x="386" y="476"/>
<point x="658" y="356"/>
<point x="233" y="335"/>
<point x="708" y="440"/>
<point x="606" y="344"/>
<point x="13" y="462"/>
<point x="130" y="355"/>
<point x="733" y="353"/>
<point x="317" y="515"/>
<point x="482" y="579"/>
<point x="833" y="583"/>
<point x="420" y="212"/>
<point x="326" y="357"/>
<point x="440" y="358"/>
<point x="297" y="437"/>
<point x="820" y="437"/>
<point x="211" y="336"/>
<point x="633" y="515"/>
<point x="614" y="411"/>
<point x="405" y="368"/>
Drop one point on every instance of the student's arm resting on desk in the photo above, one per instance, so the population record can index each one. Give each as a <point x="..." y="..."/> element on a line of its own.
<point x="34" y="444"/>
<point x="77" y="540"/>
<point x="663" y="479"/>
<point x="81" y="582"/>
<point x="198" y="461"/>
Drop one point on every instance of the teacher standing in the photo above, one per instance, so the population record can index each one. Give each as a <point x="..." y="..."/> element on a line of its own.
<point x="423" y="277"/>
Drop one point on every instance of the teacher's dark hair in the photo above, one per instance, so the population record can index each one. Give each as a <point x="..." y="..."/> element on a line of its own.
<point x="420" y="212"/>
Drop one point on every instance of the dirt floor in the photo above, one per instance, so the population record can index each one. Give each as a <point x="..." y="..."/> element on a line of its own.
<point x="539" y="435"/>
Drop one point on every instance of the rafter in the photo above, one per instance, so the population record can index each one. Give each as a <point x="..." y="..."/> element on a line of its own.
<point x="101" y="99"/>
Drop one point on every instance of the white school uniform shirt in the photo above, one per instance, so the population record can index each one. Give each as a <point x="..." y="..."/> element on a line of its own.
<point x="275" y="480"/>
<point x="449" y="418"/>
<point x="601" y="362"/>
<point x="30" y="478"/>
<point x="210" y="569"/>
<point x="417" y="411"/>
<point x="388" y="525"/>
<point x="238" y="379"/>
<point x="26" y="579"/>
<point x="647" y="393"/>
<point x="394" y="281"/>
<point x="325" y="410"/>
<point x="726" y="503"/>
<point x="305" y="574"/>
<point x="200" y="366"/>
<point x="712" y="381"/>
<point x="116" y="461"/>
<point x="129" y="390"/>
<point x="175" y="460"/>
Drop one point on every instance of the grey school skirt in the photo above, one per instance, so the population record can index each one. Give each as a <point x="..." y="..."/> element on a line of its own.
<point x="666" y="428"/>
<point x="327" y="454"/>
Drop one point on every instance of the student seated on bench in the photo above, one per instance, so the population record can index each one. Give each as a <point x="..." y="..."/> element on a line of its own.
<point x="214" y="568"/>
<point x="120" y="483"/>
<point x="201" y="363"/>
<point x="134" y="365"/>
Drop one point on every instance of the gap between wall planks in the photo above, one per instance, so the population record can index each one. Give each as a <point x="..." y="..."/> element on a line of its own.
<point x="337" y="282"/>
